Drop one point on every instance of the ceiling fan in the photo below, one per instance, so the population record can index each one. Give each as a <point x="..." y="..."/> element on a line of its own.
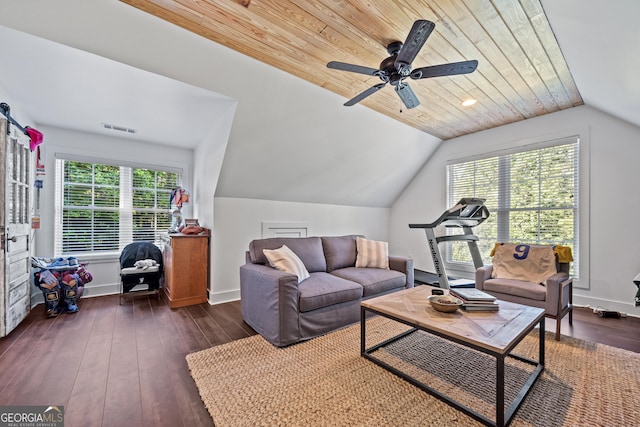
<point x="397" y="67"/>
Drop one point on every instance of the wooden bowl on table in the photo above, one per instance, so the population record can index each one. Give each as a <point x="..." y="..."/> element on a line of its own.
<point x="445" y="303"/>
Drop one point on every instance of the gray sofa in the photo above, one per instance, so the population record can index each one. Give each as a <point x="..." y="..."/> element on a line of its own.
<point x="285" y="312"/>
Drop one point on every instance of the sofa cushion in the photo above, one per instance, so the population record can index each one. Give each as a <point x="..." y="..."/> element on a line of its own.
<point x="284" y="259"/>
<point x="529" y="290"/>
<point x="339" y="251"/>
<point x="308" y="249"/>
<point x="372" y="253"/>
<point x="373" y="280"/>
<point x="323" y="289"/>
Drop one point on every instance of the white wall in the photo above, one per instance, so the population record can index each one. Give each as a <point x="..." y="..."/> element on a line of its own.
<point x="149" y="43"/>
<point x="612" y="231"/>
<point x="238" y="221"/>
<point x="105" y="270"/>
<point x="17" y="112"/>
<point x="207" y="163"/>
<point x="291" y="140"/>
<point x="281" y="122"/>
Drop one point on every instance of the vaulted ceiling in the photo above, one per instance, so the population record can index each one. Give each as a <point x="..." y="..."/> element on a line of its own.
<point x="521" y="73"/>
<point x="289" y="140"/>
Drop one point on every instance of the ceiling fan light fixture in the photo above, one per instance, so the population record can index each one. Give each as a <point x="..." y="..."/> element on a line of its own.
<point x="469" y="102"/>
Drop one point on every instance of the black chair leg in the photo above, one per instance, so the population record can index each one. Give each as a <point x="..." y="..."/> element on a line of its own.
<point x="571" y="316"/>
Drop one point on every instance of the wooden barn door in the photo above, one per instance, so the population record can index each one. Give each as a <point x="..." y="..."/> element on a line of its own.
<point x="15" y="262"/>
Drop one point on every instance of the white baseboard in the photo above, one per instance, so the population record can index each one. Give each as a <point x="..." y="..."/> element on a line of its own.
<point x="228" y="296"/>
<point x="593" y="303"/>
<point x="114" y="289"/>
<point x="222" y="297"/>
<point x="89" y="291"/>
<point x="101" y="290"/>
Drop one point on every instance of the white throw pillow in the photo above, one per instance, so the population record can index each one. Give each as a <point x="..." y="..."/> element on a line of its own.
<point x="372" y="254"/>
<point x="284" y="259"/>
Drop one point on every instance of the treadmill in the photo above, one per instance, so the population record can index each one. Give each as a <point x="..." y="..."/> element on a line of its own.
<point x="466" y="214"/>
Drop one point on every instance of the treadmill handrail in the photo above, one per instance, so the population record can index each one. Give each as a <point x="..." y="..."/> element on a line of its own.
<point x="458" y="238"/>
<point x="450" y="222"/>
<point x="474" y="217"/>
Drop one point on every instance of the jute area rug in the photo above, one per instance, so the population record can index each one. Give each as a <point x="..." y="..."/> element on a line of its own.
<point x="325" y="382"/>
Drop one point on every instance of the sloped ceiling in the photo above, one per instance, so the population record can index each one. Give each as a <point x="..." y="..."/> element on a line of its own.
<point x="601" y="44"/>
<point x="521" y="73"/>
<point x="289" y="140"/>
<point x="90" y="93"/>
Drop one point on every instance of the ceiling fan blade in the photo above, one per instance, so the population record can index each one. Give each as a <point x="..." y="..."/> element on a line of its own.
<point x="420" y="32"/>
<point x="454" y="68"/>
<point x="405" y="93"/>
<point x="363" y="95"/>
<point x="353" y="68"/>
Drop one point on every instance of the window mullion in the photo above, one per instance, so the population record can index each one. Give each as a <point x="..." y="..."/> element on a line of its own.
<point x="126" y="206"/>
<point x="539" y="187"/>
<point x="92" y="207"/>
<point x="504" y="197"/>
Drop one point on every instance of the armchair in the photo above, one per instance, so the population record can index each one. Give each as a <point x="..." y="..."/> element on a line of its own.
<point x="531" y="275"/>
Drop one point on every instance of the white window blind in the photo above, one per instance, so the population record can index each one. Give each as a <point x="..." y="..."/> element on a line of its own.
<point x="101" y="208"/>
<point x="532" y="197"/>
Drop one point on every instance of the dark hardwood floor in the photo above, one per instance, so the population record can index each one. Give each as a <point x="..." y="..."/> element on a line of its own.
<point x="124" y="365"/>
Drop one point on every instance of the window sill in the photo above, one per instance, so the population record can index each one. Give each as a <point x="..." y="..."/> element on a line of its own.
<point x="95" y="258"/>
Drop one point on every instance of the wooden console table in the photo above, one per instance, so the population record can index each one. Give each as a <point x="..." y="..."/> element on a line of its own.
<point x="186" y="268"/>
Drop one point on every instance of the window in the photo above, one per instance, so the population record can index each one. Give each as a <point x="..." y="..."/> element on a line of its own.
<point x="100" y="208"/>
<point x="532" y="196"/>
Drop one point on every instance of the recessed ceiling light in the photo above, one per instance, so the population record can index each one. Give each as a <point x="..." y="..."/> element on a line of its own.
<point x="469" y="102"/>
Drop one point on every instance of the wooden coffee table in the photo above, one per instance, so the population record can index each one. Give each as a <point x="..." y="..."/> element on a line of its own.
<point x="493" y="333"/>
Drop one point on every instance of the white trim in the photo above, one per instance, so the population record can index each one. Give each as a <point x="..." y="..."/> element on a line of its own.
<point x="115" y="162"/>
<point x="125" y="203"/>
<point x="583" y="134"/>
<point x="529" y="146"/>
<point x="285" y="229"/>
<point x="605" y="304"/>
<point x="126" y="206"/>
<point x="584" y="220"/>
<point x="222" y="297"/>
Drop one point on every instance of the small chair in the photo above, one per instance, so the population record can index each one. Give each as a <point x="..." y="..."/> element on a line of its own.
<point x="131" y="276"/>
<point x="543" y="283"/>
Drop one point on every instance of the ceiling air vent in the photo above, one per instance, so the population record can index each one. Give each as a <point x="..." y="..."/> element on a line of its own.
<point x="118" y="128"/>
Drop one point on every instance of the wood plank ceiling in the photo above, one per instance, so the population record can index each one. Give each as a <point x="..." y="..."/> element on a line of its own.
<point x="521" y="72"/>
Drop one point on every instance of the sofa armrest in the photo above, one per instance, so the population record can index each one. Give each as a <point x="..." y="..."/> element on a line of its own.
<point x="483" y="273"/>
<point x="269" y="302"/>
<point x="403" y="265"/>
<point x="555" y="291"/>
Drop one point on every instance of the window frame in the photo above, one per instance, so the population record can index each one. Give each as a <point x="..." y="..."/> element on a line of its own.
<point x="125" y="206"/>
<point x="582" y="136"/>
